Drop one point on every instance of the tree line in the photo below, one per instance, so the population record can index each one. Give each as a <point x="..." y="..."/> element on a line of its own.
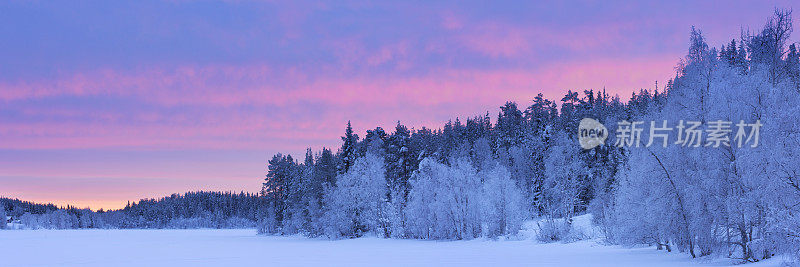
<point x="189" y="210"/>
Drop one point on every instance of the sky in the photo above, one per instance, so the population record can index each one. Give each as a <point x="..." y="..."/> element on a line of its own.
<point x="104" y="102"/>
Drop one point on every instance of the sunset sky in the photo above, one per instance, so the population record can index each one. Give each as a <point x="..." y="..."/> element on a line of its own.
<point x="102" y="102"/>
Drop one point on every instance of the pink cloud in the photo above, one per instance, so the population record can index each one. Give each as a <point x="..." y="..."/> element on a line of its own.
<point x="379" y="98"/>
<point x="226" y="86"/>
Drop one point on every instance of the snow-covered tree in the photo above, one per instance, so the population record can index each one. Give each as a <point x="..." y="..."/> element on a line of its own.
<point x="358" y="204"/>
<point x="3" y="219"/>
<point x="565" y="177"/>
<point x="504" y="206"/>
<point x="737" y="198"/>
<point x="445" y="202"/>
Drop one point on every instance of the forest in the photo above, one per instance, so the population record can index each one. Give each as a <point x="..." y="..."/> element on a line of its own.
<point x="482" y="177"/>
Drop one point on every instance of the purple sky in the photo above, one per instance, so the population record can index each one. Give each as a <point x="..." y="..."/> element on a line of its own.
<point x="103" y="102"/>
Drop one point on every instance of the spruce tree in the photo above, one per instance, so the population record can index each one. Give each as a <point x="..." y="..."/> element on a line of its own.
<point x="347" y="154"/>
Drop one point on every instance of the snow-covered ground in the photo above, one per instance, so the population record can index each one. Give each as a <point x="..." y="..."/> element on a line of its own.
<point x="244" y="248"/>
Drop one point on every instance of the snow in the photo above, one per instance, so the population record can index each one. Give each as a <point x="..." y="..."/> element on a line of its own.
<point x="212" y="247"/>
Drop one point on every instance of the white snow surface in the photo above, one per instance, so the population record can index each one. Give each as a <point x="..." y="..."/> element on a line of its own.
<point x="243" y="247"/>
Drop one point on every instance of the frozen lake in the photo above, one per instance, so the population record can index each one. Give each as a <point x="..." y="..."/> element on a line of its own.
<point x="245" y="248"/>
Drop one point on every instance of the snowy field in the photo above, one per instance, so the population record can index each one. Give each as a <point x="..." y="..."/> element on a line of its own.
<point x="245" y="248"/>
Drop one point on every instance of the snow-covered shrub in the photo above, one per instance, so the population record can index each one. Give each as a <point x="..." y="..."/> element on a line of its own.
<point x="553" y="230"/>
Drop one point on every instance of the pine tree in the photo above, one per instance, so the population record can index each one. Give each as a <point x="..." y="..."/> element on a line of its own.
<point x="325" y="168"/>
<point x="400" y="159"/>
<point x="280" y="183"/>
<point x="509" y="126"/>
<point x="348" y="152"/>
